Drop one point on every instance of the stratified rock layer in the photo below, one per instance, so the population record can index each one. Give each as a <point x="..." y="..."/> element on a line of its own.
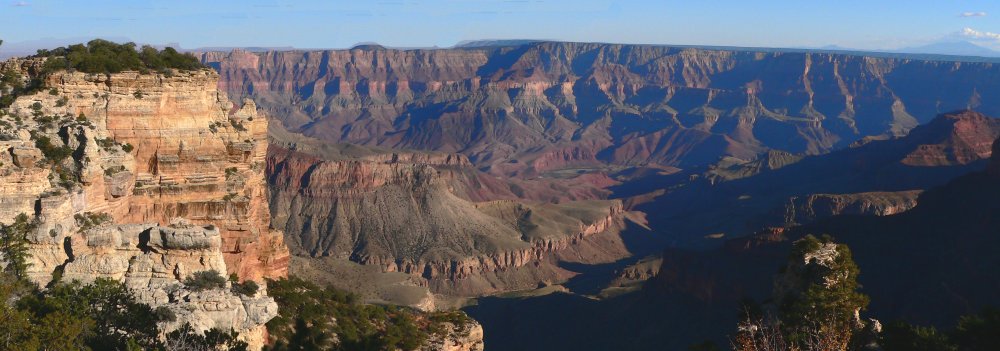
<point x="549" y="104"/>
<point x="397" y="211"/>
<point x="143" y="151"/>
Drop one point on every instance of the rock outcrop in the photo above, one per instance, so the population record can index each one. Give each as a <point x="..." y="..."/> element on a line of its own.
<point x="468" y="337"/>
<point x="144" y="178"/>
<point x="970" y="139"/>
<point x="810" y="208"/>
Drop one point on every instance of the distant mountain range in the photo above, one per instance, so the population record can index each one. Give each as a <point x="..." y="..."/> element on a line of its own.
<point x="944" y="47"/>
<point x="958" y="48"/>
<point x="947" y="47"/>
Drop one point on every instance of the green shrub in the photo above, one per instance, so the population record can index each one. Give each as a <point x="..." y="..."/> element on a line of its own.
<point x="247" y="288"/>
<point x="113" y="170"/>
<point x="902" y="336"/>
<point x="205" y="280"/>
<point x="979" y="331"/>
<point x="165" y="314"/>
<point x="439" y="318"/>
<point x="186" y="338"/>
<point x="109" y="144"/>
<point x="67" y="179"/>
<point x="308" y="315"/>
<point x="12" y="85"/>
<point x="102" y="56"/>
<point x="55" y="154"/>
<point x="88" y="220"/>
<point x="231" y="171"/>
<point x="103" y="315"/>
<point x="238" y="126"/>
<point x="976" y="332"/>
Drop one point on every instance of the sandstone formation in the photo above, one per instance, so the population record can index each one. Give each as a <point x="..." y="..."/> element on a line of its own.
<point x="577" y="105"/>
<point x="145" y="178"/>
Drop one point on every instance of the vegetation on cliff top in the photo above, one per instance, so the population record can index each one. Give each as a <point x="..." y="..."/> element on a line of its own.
<point x="102" y="56"/>
<point x="815" y="304"/>
<point x="816" y="307"/>
<point x="103" y="315"/>
<point x="317" y="318"/>
<point x="97" y="56"/>
<point x="979" y="332"/>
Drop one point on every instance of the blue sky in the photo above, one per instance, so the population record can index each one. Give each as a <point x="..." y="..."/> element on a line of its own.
<point x="867" y="24"/>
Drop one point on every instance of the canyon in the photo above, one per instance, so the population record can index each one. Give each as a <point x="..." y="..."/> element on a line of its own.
<point x="927" y="265"/>
<point x="566" y="195"/>
<point x="524" y="109"/>
<point x="878" y="177"/>
<point x="151" y="179"/>
<point x="385" y="151"/>
<point x="410" y="212"/>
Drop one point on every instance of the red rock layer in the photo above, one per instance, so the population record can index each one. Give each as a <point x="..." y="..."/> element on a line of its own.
<point x="620" y="104"/>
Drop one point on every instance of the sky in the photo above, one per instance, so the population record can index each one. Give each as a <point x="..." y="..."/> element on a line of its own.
<point x="859" y="24"/>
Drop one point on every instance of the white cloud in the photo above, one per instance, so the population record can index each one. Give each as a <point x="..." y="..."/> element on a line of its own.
<point x="20" y="4"/>
<point x="975" y="34"/>
<point x="973" y="14"/>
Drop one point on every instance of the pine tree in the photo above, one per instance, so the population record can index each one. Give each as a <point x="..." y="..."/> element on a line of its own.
<point x="14" y="246"/>
<point x="816" y="302"/>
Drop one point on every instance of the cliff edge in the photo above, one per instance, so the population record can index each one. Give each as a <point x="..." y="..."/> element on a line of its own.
<point x="145" y="178"/>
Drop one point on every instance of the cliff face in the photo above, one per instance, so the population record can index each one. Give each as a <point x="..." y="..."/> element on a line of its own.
<point x="571" y="104"/>
<point x="145" y="178"/>
<point x="807" y="209"/>
<point x="970" y="139"/>
<point x="398" y="212"/>
<point x="876" y="177"/>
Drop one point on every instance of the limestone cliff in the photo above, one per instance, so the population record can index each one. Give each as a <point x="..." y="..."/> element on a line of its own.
<point x="145" y="178"/>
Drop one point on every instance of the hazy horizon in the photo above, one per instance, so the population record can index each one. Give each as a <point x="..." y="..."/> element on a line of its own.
<point x="443" y="23"/>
